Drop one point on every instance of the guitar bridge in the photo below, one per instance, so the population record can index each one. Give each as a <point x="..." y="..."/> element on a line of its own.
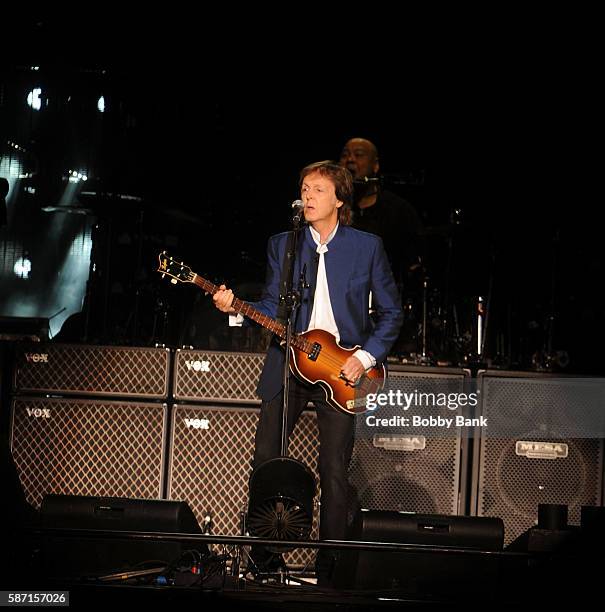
<point x="314" y="354"/>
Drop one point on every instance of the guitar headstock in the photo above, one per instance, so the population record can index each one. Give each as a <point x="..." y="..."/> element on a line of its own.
<point x="176" y="270"/>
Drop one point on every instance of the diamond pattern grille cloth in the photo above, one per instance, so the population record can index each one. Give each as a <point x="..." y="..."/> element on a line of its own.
<point x="88" y="447"/>
<point x="210" y="468"/>
<point x="216" y="376"/>
<point x="92" y="370"/>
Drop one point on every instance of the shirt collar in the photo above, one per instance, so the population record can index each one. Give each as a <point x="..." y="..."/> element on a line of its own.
<point x="315" y="234"/>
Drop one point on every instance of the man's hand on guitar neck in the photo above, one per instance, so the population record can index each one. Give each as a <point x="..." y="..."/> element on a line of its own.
<point x="223" y="299"/>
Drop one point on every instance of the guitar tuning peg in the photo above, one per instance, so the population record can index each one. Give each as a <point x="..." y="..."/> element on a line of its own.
<point x="173" y="281"/>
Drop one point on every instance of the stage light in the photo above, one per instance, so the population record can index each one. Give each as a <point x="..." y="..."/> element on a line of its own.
<point x="23" y="267"/>
<point x="33" y="98"/>
<point x="101" y="104"/>
<point x="73" y="176"/>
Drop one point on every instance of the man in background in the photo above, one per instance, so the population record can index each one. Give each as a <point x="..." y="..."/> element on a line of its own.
<point x="379" y="211"/>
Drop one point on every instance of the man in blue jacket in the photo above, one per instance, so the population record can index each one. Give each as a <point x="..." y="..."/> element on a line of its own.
<point x="343" y="266"/>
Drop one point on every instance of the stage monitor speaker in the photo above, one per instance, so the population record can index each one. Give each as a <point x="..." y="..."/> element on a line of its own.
<point x="512" y="476"/>
<point x="211" y="454"/>
<point x="101" y="371"/>
<point x="88" y="447"/>
<point x="409" y="472"/>
<point x="427" y="570"/>
<point x="117" y="514"/>
<point x="216" y="376"/>
<point x="70" y="556"/>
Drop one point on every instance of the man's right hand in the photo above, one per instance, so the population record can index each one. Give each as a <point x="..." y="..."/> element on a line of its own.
<point x="223" y="299"/>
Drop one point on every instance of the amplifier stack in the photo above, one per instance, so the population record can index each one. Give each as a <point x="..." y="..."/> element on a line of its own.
<point x="90" y="420"/>
<point x="151" y="424"/>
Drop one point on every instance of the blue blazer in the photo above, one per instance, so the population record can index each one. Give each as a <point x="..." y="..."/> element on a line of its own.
<point x="356" y="264"/>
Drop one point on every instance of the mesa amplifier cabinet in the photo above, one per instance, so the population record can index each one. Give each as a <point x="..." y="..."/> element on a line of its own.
<point x="88" y="447"/>
<point x="514" y="473"/>
<point x="211" y="454"/>
<point x="411" y="472"/>
<point x="216" y="376"/>
<point x="102" y="371"/>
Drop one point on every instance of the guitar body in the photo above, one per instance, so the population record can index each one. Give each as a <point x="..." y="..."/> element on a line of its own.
<point x="325" y="371"/>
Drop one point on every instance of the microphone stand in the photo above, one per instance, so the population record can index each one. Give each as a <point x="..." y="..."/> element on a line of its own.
<point x="281" y="490"/>
<point x="290" y="299"/>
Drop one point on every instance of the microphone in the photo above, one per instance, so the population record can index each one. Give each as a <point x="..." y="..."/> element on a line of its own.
<point x="367" y="179"/>
<point x="298" y="207"/>
<point x="412" y="177"/>
<point x="207" y="523"/>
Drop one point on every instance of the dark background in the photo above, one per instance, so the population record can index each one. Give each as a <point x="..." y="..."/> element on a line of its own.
<point x="210" y="134"/>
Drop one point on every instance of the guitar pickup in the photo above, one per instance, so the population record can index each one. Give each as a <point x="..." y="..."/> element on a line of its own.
<point x="314" y="354"/>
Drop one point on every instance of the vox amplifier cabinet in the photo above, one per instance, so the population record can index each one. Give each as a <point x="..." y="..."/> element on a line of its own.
<point x="88" y="447"/>
<point x="210" y="463"/>
<point x="216" y="376"/>
<point x="102" y="371"/>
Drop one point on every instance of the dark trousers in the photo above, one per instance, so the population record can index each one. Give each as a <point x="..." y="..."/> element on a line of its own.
<point x="336" y="430"/>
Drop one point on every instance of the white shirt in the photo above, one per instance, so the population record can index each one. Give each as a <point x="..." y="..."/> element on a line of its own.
<point x="322" y="316"/>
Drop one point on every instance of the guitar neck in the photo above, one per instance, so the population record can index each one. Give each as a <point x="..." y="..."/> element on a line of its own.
<point x="279" y="329"/>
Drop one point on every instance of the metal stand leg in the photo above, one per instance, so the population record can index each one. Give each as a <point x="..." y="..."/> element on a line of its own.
<point x="237" y="559"/>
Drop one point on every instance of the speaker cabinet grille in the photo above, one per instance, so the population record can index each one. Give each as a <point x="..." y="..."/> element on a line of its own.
<point x="509" y="481"/>
<point x="211" y="459"/>
<point x="88" y="447"/>
<point x="409" y="481"/>
<point x="92" y="370"/>
<point x="425" y="478"/>
<point x="216" y="376"/>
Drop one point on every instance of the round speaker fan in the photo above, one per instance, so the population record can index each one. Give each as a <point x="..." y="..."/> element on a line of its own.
<point x="281" y="500"/>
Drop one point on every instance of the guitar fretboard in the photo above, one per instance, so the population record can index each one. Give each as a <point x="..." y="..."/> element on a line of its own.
<point x="249" y="311"/>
